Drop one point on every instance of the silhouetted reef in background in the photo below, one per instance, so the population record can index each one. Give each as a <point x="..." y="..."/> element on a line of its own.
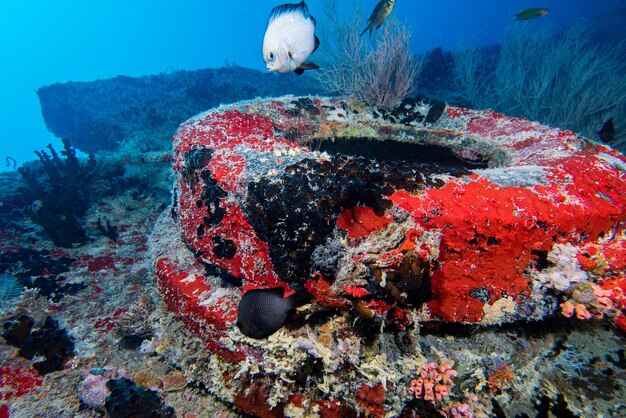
<point x="144" y="112"/>
<point x="140" y="114"/>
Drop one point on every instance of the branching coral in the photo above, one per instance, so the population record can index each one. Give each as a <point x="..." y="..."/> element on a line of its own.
<point x="133" y="326"/>
<point x="10" y="288"/>
<point x="381" y="73"/>
<point x="561" y="79"/>
<point x="63" y="194"/>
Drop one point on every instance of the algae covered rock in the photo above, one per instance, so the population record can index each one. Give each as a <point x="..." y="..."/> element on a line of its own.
<point x="391" y="221"/>
<point x="144" y="112"/>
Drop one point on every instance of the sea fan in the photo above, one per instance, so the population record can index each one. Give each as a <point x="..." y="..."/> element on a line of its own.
<point x="10" y="289"/>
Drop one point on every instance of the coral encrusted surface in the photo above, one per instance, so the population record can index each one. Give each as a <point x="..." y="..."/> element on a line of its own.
<point x="401" y="225"/>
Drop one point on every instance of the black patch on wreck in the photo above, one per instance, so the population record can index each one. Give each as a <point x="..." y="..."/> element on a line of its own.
<point x="442" y="158"/>
<point x="223" y="247"/>
<point x="195" y="159"/>
<point x="297" y="212"/>
<point x="228" y="279"/>
<point x="212" y="195"/>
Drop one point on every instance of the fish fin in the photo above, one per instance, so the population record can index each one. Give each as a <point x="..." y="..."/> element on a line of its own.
<point x="283" y="56"/>
<point x="280" y="291"/>
<point x="305" y="66"/>
<point x="291" y="8"/>
<point x="365" y="30"/>
<point x="317" y="44"/>
<point x="299" y="298"/>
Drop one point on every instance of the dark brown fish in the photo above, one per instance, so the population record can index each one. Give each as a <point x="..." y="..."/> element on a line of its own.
<point x="532" y="13"/>
<point x="607" y="132"/>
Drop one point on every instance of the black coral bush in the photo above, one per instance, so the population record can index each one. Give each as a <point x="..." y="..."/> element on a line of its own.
<point x="60" y="190"/>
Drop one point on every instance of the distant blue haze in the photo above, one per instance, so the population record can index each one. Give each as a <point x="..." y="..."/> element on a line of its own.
<point x="43" y="42"/>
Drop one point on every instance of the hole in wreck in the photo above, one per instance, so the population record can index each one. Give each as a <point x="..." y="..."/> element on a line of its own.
<point x="390" y="150"/>
<point x="296" y="213"/>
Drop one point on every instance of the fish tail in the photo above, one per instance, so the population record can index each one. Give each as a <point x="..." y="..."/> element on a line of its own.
<point x="365" y="30"/>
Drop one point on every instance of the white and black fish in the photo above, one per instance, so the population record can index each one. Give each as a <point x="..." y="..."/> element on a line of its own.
<point x="290" y="39"/>
<point x="262" y="312"/>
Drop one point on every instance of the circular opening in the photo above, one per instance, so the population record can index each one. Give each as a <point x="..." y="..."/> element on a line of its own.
<point x="391" y="150"/>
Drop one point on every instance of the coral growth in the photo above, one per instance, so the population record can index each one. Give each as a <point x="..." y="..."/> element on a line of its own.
<point x="433" y="382"/>
<point x="48" y="346"/>
<point x="372" y="399"/>
<point x="132" y="326"/>
<point x="10" y="288"/>
<point x="293" y="193"/>
<point x="129" y="400"/>
<point x="529" y="79"/>
<point x="16" y="381"/>
<point x="457" y="410"/>
<point x="501" y="378"/>
<point x="381" y="72"/>
<point x="40" y="270"/>
<point x="62" y="196"/>
<point x="93" y="391"/>
<point x="108" y="230"/>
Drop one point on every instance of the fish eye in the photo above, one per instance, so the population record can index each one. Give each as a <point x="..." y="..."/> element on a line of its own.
<point x="270" y="56"/>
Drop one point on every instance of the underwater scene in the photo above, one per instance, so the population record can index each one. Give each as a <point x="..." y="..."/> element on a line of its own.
<point x="325" y="208"/>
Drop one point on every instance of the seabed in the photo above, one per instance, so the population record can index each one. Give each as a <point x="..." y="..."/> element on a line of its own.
<point x="121" y="307"/>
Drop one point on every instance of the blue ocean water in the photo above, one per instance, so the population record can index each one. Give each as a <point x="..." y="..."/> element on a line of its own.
<point x="69" y="40"/>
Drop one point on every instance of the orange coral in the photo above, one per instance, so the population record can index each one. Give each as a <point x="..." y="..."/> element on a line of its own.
<point x="434" y="381"/>
<point x="589" y="300"/>
<point x="501" y="378"/>
<point x="568" y="309"/>
<point x="617" y="287"/>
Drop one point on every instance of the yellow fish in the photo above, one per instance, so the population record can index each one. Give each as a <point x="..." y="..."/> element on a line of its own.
<point x="380" y="13"/>
<point x="531" y="14"/>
